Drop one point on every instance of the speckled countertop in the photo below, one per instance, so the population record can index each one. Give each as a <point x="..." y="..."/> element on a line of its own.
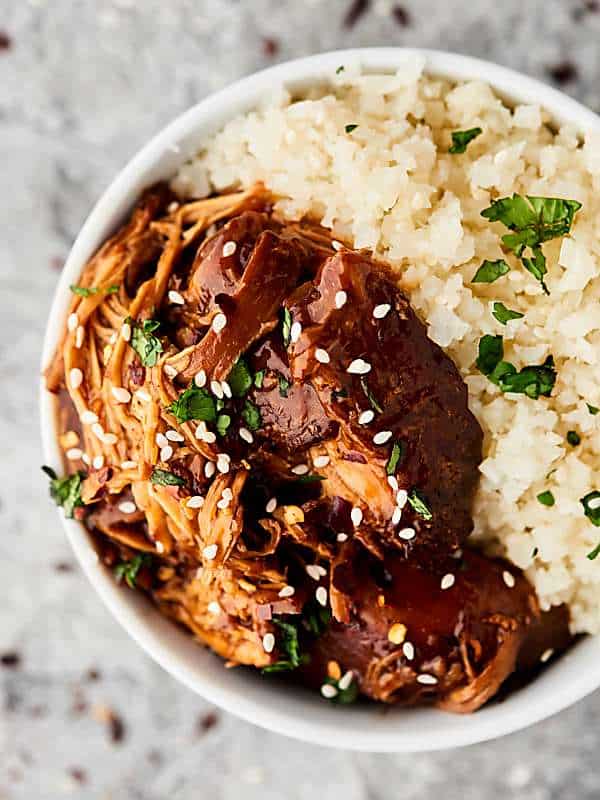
<point x="83" y="83"/>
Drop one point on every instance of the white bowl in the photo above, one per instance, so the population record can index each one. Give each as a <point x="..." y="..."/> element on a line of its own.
<point x="281" y="708"/>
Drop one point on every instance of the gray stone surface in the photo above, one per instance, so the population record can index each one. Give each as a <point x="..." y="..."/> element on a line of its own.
<point x="82" y="86"/>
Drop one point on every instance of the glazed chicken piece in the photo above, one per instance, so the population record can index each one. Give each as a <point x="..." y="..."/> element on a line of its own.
<point x="449" y="638"/>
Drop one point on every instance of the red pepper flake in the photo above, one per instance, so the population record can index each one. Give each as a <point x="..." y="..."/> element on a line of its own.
<point x="564" y="72"/>
<point x="10" y="660"/>
<point x="137" y="372"/>
<point x="355" y="12"/>
<point x="63" y="566"/>
<point x="93" y="675"/>
<point x="79" y="775"/>
<point x="401" y="16"/>
<point x="206" y="722"/>
<point x="270" y="47"/>
<point x="5" y="41"/>
<point x="116" y="728"/>
<point x="57" y="263"/>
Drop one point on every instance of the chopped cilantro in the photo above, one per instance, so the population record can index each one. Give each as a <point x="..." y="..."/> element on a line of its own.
<point x="490" y="271"/>
<point x="593" y="554"/>
<point x="66" y="492"/>
<point x="240" y="379"/>
<point x="251" y="416"/>
<point x="223" y="423"/>
<point x="339" y="69"/>
<point x="370" y="396"/>
<point x="284" y="385"/>
<point x="146" y="345"/>
<point x="396" y="456"/>
<point x="460" y="139"/>
<point x="592" y="409"/>
<point x="546" y="498"/>
<point x="312" y="478"/>
<point x="573" y="438"/>
<point x="289" y="645"/>
<point x="286" y="326"/>
<point x="491" y="352"/>
<point x="259" y="378"/>
<point x="316" y="618"/>
<point x="343" y="696"/>
<point x="504" y="314"/>
<point x="533" y="381"/>
<point x="419" y="504"/>
<point x="591" y="507"/>
<point x="194" y="403"/>
<point x="163" y="477"/>
<point x="350" y="128"/>
<point x="130" y="569"/>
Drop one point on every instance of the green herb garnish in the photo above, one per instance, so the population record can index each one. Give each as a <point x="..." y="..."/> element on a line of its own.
<point x="490" y="271"/>
<point x="491" y="353"/>
<point x="312" y="478"/>
<point x="259" y="378"/>
<point x="86" y="291"/>
<point x="533" y="220"/>
<point x="546" y="498"/>
<point x="343" y="696"/>
<point x="419" y="504"/>
<point x="592" y="409"/>
<point x="504" y="314"/>
<point x="573" y="438"/>
<point x="316" y="618"/>
<point x="240" y="378"/>
<point x="223" y="423"/>
<point x="130" y="569"/>
<point x="251" y="416"/>
<point x="533" y="381"/>
<point x="396" y="456"/>
<point x="591" y="507"/>
<point x="284" y="385"/>
<point x="339" y="69"/>
<point x="593" y="554"/>
<point x="286" y="327"/>
<point x="194" y="403"/>
<point x="65" y="492"/>
<point x="144" y="342"/>
<point x="460" y="139"/>
<point x="370" y="396"/>
<point x="162" y="477"/>
<point x="289" y="645"/>
<point x="534" y="552"/>
<point x="350" y="128"/>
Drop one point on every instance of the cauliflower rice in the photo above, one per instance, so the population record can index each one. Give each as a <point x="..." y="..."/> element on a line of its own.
<point x="390" y="185"/>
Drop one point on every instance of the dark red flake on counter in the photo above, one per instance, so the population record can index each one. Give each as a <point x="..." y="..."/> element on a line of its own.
<point x="206" y="722"/>
<point x="116" y="728"/>
<point x="270" y="47"/>
<point x="63" y="566"/>
<point x="355" y="12"/>
<point x="10" y="660"/>
<point x="93" y="675"/>
<point x="57" y="263"/>
<point x="5" y="41"/>
<point x="564" y="72"/>
<point x="79" y="775"/>
<point x="401" y="16"/>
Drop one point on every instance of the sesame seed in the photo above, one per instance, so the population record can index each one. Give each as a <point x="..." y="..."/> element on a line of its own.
<point x="447" y="581"/>
<point x="197" y="501"/>
<point x="547" y="655"/>
<point x="210" y="552"/>
<point x="88" y="417"/>
<point x="74" y="453"/>
<point x="322" y="356"/>
<point x="227" y="493"/>
<point x="143" y="395"/>
<point x="397" y="633"/>
<point x="321" y="595"/>
<point x="98" y="430"/>
<point x="219" y="322"/>
<point x="342" y="537"/>
<point x="161" y="440"/>
<point x="126" y="331"/>
<point x="222" y="465"/>
<point x="271" y="505"/>
<point x="366" y="417"/>
<point x="226" y="389"/>
<point x="174" y="436"/>
<point x="229" y="249"/>
<point x="382" y="310"/>
<point x="75" y="378"/>
<point x="356" y="515"/>
<point x="268" y="642"/>
<point x="427" y="680"/>
<point x="508" y="578"/>
<point x="295" y="332"/>
<point x="401" y="498"/>
<point x="98" y="462"/>
<point x="170" y="371"/>
<point x="172" y="207"/>
<point x="113" y="338"/>
<point x="176" y="298"/>
<point x="315" y="571"/>
<point x="382" y="437"/>
<point x="393" y="482"/>
<point x="216" y="389"/>
<point x="85" y="458"/>
<point x="287" y="591"/>
<point x="246" y="435"/>
<point x="79" y="336"/>
<point x="110" y="438"/>
<point x="213" y="607"/>
<point x="359" y="367"/>
<point x="340" y="298"/>
<point x="128" y="507"/>
<point x="166" y="452"/>
<point x="120" y="394"/>
<point x="160" y="548"/>
<point x="300" y="469"/>
<point x="129" y="465"/>
<point x="407" y="534"/>
<point x="328" y="691"/>
<point x="320" y="461"/>
<point x="396" y="515"/>
<point x="72" y="322"/>
<point x="408" y="650"/>
<point x="223" y="503"/>
<point x="336" y="245"/>
<point x="200" y="379"/>
<point x="345" y="681"/>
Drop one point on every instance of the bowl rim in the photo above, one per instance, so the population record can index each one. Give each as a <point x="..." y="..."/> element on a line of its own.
<point x="417" y="730"/>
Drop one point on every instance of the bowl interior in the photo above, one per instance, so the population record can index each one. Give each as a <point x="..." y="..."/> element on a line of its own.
<point x="284" y="709"/>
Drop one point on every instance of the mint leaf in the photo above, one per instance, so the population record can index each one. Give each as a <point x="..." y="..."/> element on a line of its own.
<point x="146" y="345"/>
<point x="504" y="314"/>
<point x="240" y="379"/>
<point x="460" y="139"/>
<point x="491" y="353"/>
<point x="490" y="271"/>
<point x="194" y="403"/>
<point x="546" y="498"/>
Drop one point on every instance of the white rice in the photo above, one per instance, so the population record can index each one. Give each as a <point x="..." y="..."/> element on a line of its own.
<point x="391" y="186"/>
